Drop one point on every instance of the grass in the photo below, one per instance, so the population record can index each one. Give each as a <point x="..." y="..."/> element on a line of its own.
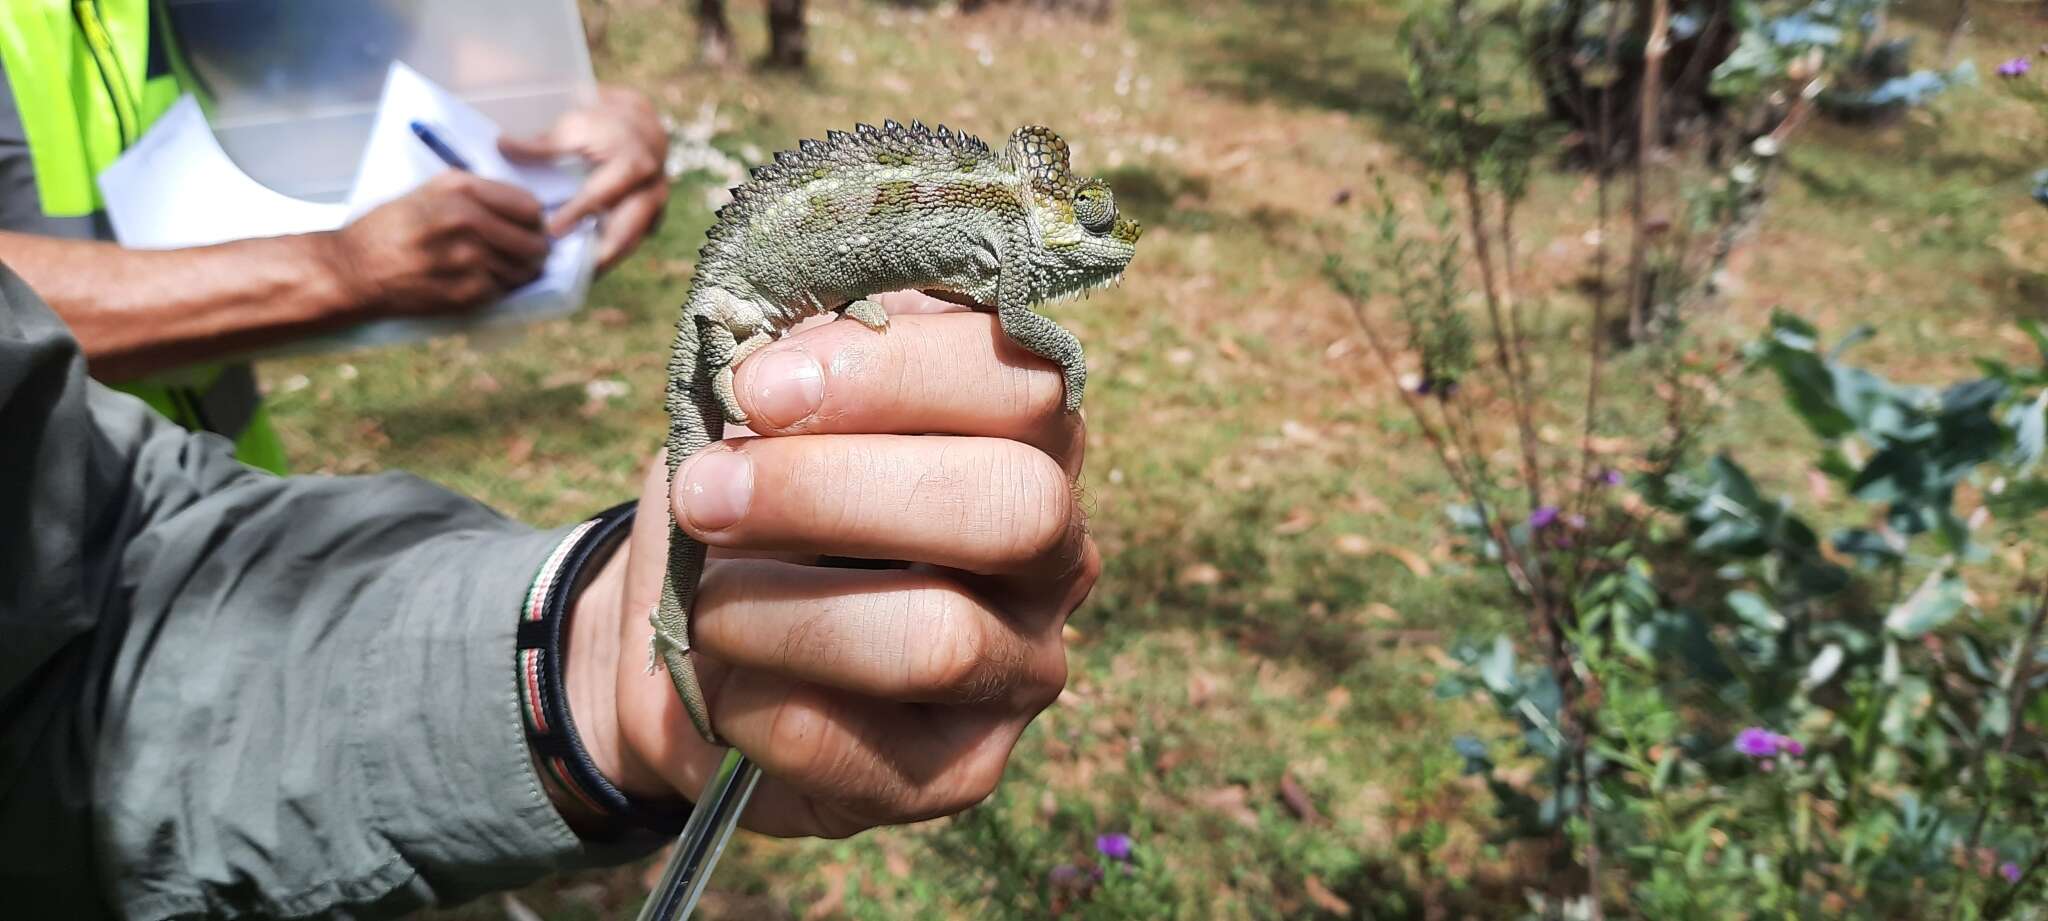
<point x="1280" y="586"/>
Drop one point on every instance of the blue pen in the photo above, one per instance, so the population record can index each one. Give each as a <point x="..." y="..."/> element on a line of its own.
<point x="440" y="147"/>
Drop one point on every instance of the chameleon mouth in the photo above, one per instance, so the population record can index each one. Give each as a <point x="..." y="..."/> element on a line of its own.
<point x="1084" y="291"/>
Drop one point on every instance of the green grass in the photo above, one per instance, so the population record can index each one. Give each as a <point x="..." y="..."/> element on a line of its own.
<point x="1241" y="442"/>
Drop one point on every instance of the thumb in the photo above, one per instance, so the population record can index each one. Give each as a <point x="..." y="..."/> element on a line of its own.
<point x="538" y="147"/>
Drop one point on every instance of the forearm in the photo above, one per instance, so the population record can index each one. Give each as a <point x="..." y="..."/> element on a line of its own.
<point x="226" y="693"/>
<point x="317" y="693"/>
<point x="136" y="312"/>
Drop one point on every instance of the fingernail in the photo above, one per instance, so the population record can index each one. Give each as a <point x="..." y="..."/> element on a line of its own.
<point x="716" y="489"/>
<point x="787" y="386"/>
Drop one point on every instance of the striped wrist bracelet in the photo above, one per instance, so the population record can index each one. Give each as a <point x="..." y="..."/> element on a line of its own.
<point x="542" y="646"/>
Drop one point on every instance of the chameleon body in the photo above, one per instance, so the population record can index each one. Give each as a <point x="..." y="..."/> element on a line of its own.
<point x="834" y="222"/>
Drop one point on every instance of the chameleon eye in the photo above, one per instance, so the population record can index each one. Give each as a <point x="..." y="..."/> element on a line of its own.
<point x="1095" y="207"/>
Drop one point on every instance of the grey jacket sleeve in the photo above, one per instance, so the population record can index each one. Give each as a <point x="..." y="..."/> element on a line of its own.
<point x="227" y="694"/>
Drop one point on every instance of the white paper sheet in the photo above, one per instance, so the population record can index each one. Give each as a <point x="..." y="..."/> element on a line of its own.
<point x="176" y="188"/>
<point x="396" y="162"/>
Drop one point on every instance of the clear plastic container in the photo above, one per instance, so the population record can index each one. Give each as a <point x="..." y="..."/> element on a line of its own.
<point x="290" y="86"/>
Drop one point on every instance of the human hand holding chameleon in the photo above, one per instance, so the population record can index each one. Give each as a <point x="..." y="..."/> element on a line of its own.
<point x="871" y="696"/>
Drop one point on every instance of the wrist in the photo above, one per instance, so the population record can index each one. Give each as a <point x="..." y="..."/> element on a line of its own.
<point x="571" y="717"/>
<point x="340" y="285"/>
<point x="592" y="663"/>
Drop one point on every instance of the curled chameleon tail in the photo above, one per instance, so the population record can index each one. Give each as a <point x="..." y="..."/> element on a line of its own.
<point x="694" y="423"/>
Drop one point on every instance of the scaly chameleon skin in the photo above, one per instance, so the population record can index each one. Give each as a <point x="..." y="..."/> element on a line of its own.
<point x="882" y="209"/>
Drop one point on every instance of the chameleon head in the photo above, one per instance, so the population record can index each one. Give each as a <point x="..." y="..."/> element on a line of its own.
<point x="1081" y="242"/>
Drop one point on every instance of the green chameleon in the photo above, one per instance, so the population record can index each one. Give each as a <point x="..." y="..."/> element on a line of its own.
<point x="832" y="223"/>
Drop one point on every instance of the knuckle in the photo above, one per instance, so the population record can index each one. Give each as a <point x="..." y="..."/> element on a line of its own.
<point x="956" y="645"/>
<point x="1087" y="570"/>
<point x="798" y="740"/>
<point x="473" y="289"/>
<point x="972" y="783"/>
<point x="1048" y="680"/>
<point x="465" y="254"/>
<point x="1042" y="517"/>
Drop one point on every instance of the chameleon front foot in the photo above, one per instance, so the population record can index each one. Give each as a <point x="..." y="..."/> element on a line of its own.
<point x="869" y="313"/>
<point x="1046" y="339"/>
<point x="722" y="380"/>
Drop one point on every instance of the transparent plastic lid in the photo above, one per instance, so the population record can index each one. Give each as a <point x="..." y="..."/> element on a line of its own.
<point x="290" y="86"/>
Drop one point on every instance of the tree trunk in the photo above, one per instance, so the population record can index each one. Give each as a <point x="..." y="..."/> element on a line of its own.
<point x="714" y="32"/>
<point x="786" y="34"/>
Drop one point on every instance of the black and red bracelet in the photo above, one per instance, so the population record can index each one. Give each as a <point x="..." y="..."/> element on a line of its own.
<point x="542" y="641"/>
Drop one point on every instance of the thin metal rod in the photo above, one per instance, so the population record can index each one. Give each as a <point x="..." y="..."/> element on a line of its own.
<point x="711" y="824"/>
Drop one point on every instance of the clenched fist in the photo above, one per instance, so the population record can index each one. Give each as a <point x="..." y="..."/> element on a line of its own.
<point x="868" y="695"/>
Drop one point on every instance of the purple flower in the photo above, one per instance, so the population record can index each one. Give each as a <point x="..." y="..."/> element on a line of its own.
<point x="1610" y="477"/>
<point x="2009" y="870"/>
<point x="1757" y="742"/>
<point x="2017" y="67"/>
<point x="1544" y="516"/>
<point x="1114" y="846"/>
<point x="1760" y="743"/>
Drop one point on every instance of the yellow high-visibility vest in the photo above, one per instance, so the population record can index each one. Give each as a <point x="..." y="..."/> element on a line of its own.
<point x="87" y="78"/>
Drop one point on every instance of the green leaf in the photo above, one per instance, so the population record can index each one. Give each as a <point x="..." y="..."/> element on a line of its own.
<point x="1755" y="611"/>
<point x="2029" y="423"/>
<point x="2033" y="330"/>
<point x="1868" y="547"/>
<point x="1935" y="602"/>
<point x="1498" y="668"/>
<point x="1823" y="667"/>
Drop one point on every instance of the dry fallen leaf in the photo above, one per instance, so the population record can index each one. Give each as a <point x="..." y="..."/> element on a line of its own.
<point x="1231" y="801"/>
<point x="1297" y="799"/>
<point x="1353" y="544"/>
<point x="518" y="449"/>
<point x="834" y="898"/>
<point x="1409" y="558"/>
<point x="1324" y="898"/>
<point x="1200" y="574"/>
<point x="1299" y="519"/>
<point x="1201" y="687"/>
<point x="1298" y="433"/>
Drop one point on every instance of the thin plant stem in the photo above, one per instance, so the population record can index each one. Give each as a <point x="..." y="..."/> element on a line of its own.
<point x="1517" y="379"/>
<point x="1654" y="43"/>
<point x="1443" y="448"/>
<point x="2013" y="685"/>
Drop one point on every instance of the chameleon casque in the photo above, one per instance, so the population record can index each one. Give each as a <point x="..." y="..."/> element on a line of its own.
<point x="834" y="222"/>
